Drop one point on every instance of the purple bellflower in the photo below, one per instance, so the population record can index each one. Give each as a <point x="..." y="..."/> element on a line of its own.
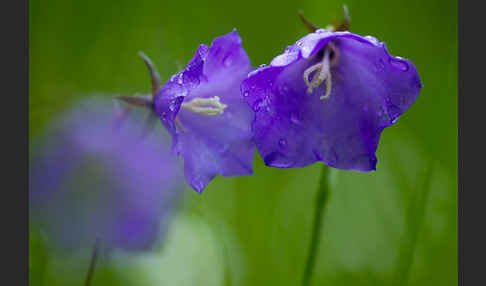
<point x="94" y="177"/>
<point x="327" y="98"/>
<point x="203" y="110"/>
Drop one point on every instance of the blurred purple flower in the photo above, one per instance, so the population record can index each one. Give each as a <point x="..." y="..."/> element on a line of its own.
<point x="203" y="110"/>
<point x="95" y="177"/>
<point x="327" y="98"/>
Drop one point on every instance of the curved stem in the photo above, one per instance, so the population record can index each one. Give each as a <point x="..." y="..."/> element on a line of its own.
<point x="321" y="201"/>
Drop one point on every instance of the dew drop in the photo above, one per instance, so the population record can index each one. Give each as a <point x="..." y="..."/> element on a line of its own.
<point x="294" y="118"/>
<point x="399" y="64"/>
<point x="282" y="143"/>
<point x="246" y="94"/>
<point x="172" y="105"/>
<point x="227" y="61"/>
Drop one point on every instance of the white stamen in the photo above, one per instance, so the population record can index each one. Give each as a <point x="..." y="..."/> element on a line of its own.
<point x="328" y="88"/>
<point x="323" y="73"/>
<point x="205" y="106"/>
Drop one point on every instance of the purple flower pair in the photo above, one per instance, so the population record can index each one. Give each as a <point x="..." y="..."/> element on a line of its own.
<point x="326" y="98"/>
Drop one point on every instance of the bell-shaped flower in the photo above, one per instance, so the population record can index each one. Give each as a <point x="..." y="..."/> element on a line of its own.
<point x="327" y="98"/>
<point x="95" y="176"/>
<point x="203" y="110"/>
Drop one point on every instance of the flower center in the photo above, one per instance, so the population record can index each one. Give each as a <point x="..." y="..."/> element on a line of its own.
<point x="205" y="106"/>
<point x="322" y="71"/>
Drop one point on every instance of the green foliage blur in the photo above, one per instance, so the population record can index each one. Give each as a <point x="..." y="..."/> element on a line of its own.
<point x="394" y="226"/>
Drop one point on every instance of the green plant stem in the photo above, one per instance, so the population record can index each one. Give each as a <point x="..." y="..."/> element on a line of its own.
<point x="92" y="264"/>
<point x="320" y="205"/>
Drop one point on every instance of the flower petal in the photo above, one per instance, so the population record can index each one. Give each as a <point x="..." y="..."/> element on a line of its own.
<point x="209" y="141"/>
<point x="95" y="177"/>
<point x="370" y="89"/>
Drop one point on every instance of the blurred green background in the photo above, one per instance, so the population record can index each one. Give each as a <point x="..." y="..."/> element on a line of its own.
<point x="394" y="226"/>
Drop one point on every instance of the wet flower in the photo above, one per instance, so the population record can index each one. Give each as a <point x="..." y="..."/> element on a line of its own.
<point x="95" y="176"/>
<point x="327" y="98"/>
<point x="203" y="110"/>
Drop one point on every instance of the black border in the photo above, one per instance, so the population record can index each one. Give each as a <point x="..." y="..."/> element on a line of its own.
<point x="14" y="21"/>
<point x="471" y="122"/>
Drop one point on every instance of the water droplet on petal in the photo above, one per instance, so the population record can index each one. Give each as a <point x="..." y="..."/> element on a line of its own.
<point x="282" y="143"/>
<point x="399" y="63"/>
<point x="246" y="94"/>
<point x="227" y="61"/>
<point x="294" y="118"/>
<point x="172" y="105"/>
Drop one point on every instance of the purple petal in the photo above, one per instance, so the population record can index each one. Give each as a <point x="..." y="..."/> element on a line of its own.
<point x="210" y="144"/>
<point x="94" y="177"/>
<point x="370" y="90"/>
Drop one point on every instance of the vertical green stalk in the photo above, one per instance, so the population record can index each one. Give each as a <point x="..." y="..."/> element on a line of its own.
<point x="321" y="201"/>
<point x="92" y="264"/>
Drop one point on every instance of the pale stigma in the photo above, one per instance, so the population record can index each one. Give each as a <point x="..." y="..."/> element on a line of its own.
<point x="322" y="71"/>
<point x="205" y="106"/>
